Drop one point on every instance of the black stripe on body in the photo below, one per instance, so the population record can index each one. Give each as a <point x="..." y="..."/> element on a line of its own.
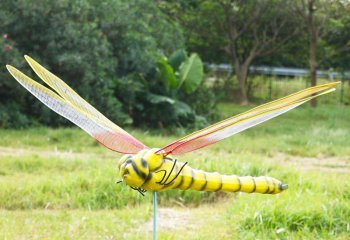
<point x="268" y="187"/>
<point x="174" y="179"/>
<point x="193" y="174"/>
<point x="170" y="184"/>
<point x="171" y="171"/>
<point x="161" y="183"/>
<point x="275" y="187"/>
<point x="138" y="172"/>
<point x="206" y="181"/>
<point x="144" y="163"/>
<point x="221" y="183"/>
<point x="148" y="177"/>
<point x="254" y="185"/>
<point x="178" y="172"/>
<point x="129" y="160"/>
<point x="240" y="184"/>
<point x="182" y="179"/>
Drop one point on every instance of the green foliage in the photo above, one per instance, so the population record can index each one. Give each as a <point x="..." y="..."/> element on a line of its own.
<point x="138" y="32"/>
<point x="61" y="177"/>
<point x="12" y="95"/>
<point x="166" y="73"/>
<point x="170" y="96"/>
<point x="181" y="71"/>
<point x="176" y="58"/>
<point x="79" y="165"/>
<point x="191" y="73"/>
<point x="89" y="44"/>
<point x="112" y="53"/>
<point x="204" y="101"/>
<point x="329" y="219"/>
<point x="204" y="24"/>
<point x="12" y="117"/>
<point x="336" y="40"/>
<point x="153" y="98"/>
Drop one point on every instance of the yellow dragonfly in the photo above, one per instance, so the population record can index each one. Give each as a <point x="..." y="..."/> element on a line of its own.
<point x="156" y="169"/>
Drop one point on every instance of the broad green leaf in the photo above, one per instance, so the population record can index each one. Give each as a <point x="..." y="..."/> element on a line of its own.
<point x="176" y="58"/>
<point x="182" y="109"/>
<point x="166" y="73"/>
<point x="191" y="73"/>
<point x="155" y="99"/>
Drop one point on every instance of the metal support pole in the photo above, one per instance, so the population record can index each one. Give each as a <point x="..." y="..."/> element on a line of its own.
<point x="154" y="215"/>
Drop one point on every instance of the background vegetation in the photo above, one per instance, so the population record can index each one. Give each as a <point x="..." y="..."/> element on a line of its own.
<point x="60" y="184"/>
<point x="114" y="52"/>
<point x="143" y="64"/>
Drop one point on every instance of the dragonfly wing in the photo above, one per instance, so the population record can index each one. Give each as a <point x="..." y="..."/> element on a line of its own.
<point x="88" y="120"/>
<point x="241" y="122"/>
<point x="70" y="95"/>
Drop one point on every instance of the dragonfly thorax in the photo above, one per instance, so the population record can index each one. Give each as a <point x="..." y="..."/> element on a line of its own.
<point x="136" y="169"/>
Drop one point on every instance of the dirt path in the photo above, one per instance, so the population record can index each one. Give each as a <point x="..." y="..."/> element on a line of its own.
<point x="321" y="163"/>
<point x="16" y="152"/>
<point x="172" y="219"/>
<point x="169" y="220"/>
<point x="181" y="222"/>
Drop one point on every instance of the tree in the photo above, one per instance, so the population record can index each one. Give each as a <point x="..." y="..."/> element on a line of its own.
<point x="337" y="37"/>
<point x="172" y="96"/>
<point x="89" y="44"/>
<point x="139" y="33"/>
<point x="243" y="30"/>
<point x="314" y="20"/>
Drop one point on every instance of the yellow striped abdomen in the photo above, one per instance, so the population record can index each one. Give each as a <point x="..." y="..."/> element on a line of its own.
<point x="199" y="180"/>
<point x="149" y="171"/>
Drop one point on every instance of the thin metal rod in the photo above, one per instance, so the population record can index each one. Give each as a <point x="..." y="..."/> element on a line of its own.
<point x="154" y="215"/>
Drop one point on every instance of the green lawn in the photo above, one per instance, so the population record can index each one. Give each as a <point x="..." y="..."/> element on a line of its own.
<point x="59" y="184"/>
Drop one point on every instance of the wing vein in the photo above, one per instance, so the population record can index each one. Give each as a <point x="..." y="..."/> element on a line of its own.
<point x="240" y="122"/>
<point x="112" y="139"/>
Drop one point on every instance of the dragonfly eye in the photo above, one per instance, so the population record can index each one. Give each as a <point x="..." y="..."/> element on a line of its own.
<point x="124" y="160"/>
<point x="134" y="169"/>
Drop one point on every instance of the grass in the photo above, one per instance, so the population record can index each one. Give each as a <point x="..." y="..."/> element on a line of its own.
<point x="59" y="184"/>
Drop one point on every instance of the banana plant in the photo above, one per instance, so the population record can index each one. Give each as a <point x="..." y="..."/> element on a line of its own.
<point x="180" y="74"/>
<point x="181" y="71"/>
<point x="161" y="97"/>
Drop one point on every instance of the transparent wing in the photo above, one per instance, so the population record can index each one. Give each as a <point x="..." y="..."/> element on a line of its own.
<point x="84" y="116"/>
<point x="239" y="123"/>
<point x="70" y="95"/>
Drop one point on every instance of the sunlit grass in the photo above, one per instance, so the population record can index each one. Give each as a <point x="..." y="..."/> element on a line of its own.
<point x="59" y="184"/>
<point x="73" y="224"/>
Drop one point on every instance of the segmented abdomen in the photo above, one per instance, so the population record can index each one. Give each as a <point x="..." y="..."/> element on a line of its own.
<point x="190" y="178"/>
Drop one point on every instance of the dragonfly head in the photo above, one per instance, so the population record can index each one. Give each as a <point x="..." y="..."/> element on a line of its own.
<point x="136" y="169"/>
<point x="132" y="170"/>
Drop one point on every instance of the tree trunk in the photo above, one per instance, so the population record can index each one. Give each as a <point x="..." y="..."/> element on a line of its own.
<point x="313" y="70"/>
<point x="313" y="49"/>
<point x="242" y="73"/>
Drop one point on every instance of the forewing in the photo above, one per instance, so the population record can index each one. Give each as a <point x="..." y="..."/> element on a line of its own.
<point x="239" y="123"/>
<point x="111" y="138"/>
<point x="71" y="96"/>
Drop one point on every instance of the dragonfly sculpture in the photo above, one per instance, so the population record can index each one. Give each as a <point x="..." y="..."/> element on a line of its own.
<point x="156" y="169"/>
